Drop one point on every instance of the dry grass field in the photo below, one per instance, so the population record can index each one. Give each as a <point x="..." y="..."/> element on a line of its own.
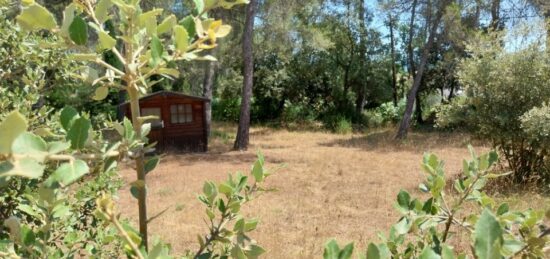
<point x="333" y="186"/>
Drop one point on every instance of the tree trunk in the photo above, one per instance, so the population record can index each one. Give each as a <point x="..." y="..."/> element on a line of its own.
<point x="361" y="91"/>
<point x="208" y="85"/>
<point x="406" y="121"/>
<point x="495" y="15"/>
<point x="418" y="109"/>
<point x="412" y="67"/>
<point x="241" y="142"/>
<point x="393" y="68"/>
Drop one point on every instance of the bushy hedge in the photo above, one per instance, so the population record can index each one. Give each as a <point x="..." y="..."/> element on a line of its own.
<point x="502" y="89"/>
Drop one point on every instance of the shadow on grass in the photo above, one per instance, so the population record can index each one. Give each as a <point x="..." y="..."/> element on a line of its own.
<point x="417" y="141"/>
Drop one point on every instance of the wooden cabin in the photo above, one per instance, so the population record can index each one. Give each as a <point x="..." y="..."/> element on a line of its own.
<point x="181" y="124"/>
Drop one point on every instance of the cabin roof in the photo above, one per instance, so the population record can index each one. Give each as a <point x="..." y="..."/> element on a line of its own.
<point x="166" y="93"/>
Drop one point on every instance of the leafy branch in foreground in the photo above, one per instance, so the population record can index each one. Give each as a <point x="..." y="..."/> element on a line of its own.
<point x="427" y="229"/>
<point x="223" y="205"/>
<point x="150" y="46"/>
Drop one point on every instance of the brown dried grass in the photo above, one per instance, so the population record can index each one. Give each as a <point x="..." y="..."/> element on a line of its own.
<point x="334" y="186"/>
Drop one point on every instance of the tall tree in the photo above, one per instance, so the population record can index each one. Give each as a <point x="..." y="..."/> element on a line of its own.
<point x="392" y="53"/>
<point x="361" y="91"/>
<point x="208" y="84"/>
<point x="243" y="136"/>
<point x="406" y="121"/>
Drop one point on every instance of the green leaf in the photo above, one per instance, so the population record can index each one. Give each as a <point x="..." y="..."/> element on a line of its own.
<point x="511" y="247"/>
<point x="447" y="252"/>
<point x="199" y="6"/>
<point x="13" y="125"/>
<point x="29" y="210"/>
<point x="331" y="250"/>
<point x="493" y="157"/>
<point x="403" y="199"/>
<point x="225" y="189"/>
<point x="25" y="167"/>
<point x="135" y="188"/>
<point x="156" y="50"/>
<point x="78" y="31"/>
<point x="488" y="236"/>
<point x="106" y="41"/>
<point x="78" y="134"/>
<point x="27" y="236"/>
<point x="151" y="164"/>
<point x="167" y="24"/>
<point x="181" y="38"/>
<point x="36" y="17"/>
<point x="68" y="115"/>
<point x="68" y="17"/>
<point x="102" y="10"/>
<point x="429" y="253"/>
<point x="101" y="93"/>
<point x="258" y="171"/>
<point x="30" y="145"/>
<point x="346" y="252"/>
<point x="69" y="172"/>
<point x="254" y="251"/>
<point x="503" y="209"/>
<point x="250" y="225"/>
<point x="189" y="24"/>
<point x="373" y="252"/>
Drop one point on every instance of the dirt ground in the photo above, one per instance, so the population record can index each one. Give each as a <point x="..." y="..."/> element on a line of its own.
<point x="333" y="186"/>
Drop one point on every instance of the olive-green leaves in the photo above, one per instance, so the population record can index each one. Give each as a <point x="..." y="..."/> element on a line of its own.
<point x="78" y="31"/>
<point x="156" y="51"/>
<point x="102" y="10"/>
<point x="28" y="152"/>
<point x="36" y="17"/>
<point x="488" y="236"/>
<point x="78" y="133"/>
<point x="12" y="126"/>
<point x="167" y="24"/>
<point x="106" y="41"/>
<point x="426" y="229"/>
<point x="181" y="38"/>
<point x="333" y="251"/>
<point x="101" y="93"/>
<point x="69" y="172"/>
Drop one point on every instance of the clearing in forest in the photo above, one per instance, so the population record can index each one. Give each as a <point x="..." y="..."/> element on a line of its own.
<point x="341" y="186"/>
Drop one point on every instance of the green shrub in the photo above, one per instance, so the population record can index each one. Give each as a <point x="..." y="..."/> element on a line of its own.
<point x="385" y="114"/>
<point x="536" y="124"/>
<point x="501" y="86"/>
<point x="226" y="109"/>
<point x="429" y="227"/>
<point x="297" y="113"/>
<point x="338" y="124"/>
<point x="454" y="115"/>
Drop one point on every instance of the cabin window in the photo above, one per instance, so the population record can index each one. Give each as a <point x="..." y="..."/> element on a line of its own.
<point x="157" y="123"/>
<point x="181" y="113"/>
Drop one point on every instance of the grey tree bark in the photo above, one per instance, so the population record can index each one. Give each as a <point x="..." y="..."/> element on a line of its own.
<point x="393" y="68"/>
<point x="208" y="85"/>
<point x="407" y="117"/>
<point x="243" y="132"/>
<point x="361" y="91"/>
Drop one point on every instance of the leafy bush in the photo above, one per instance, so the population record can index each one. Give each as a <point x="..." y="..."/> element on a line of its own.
<point x="297" y="113"/>
<point x="428" y="228"/>
<point x="226" y="109"/>
<point x="501" y="86"/>
<point x="338" y="124"/>
<point x="536" y="124"/>
<point x="52" y="208"/>
<point x="455" y="114"/>
<point x="387" y="113"/>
